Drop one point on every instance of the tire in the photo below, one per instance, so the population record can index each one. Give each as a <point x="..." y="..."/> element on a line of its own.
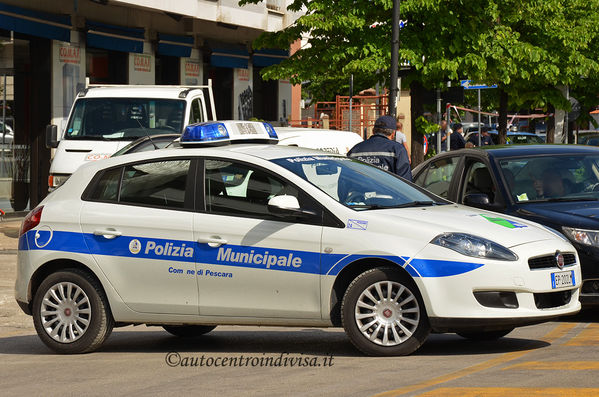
<point x="485" y="335"/>
<point x="71" y="312"/>
<point x="400" y="312"/>
<point x="188" y="331"/>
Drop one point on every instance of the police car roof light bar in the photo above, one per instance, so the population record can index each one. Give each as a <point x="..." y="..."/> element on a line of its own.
<point x="225" y="132"/>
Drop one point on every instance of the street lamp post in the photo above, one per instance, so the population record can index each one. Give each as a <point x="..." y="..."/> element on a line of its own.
<point x="393" y="88"/>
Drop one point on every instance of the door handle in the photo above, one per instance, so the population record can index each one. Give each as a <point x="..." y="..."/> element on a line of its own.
<point x="212" y="241"/>
<point x="109" y="233"/>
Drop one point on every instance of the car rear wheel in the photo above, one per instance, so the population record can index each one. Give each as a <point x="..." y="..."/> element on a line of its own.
<point x="71" y="312"/>
<point x="188" y="331"/>
<point x="383" y="313"/>
<point x="485" y="335"/>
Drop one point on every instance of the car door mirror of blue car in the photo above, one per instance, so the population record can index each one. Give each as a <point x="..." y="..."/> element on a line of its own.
<point x="479" y="200"/>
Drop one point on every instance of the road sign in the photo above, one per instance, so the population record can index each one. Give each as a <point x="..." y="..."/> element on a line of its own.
<point x="469" y="85"/>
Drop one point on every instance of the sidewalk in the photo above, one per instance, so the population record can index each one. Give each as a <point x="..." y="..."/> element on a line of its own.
<point x="9" y="235"/>
<point x="12" y="320"/>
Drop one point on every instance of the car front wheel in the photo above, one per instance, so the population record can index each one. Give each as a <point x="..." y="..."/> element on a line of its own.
<point x="383" y="313"/>
<point x="71" y="313"/>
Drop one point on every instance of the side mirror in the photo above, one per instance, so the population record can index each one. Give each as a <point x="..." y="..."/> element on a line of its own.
<point x="286" y="205"/>
<point x="51" y="136"/>
<point x="479" y="200"/>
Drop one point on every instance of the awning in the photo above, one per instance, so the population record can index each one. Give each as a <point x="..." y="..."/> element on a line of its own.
<point x="269" y="57"/>
<point x="225" y="55"/>
<point x="35" y="23"/>
<point x="117" y="38"/>
<point x="175" y="46"/>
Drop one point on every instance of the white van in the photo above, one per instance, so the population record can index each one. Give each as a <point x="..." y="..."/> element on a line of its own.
<point x="332" y="141"/>
<point x="105" y="118"/>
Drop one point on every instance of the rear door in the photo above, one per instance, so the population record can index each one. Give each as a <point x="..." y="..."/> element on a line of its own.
<point x="137" y="222"/>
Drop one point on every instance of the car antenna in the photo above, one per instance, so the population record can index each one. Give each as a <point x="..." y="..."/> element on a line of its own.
<point x="147" y="134"/>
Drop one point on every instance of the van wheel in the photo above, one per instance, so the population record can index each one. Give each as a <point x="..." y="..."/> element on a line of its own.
<point x="71" y="312"/>
<point x="188" y="331"/>
<point x="485" y="335"/>
<point x="383" y="313"/>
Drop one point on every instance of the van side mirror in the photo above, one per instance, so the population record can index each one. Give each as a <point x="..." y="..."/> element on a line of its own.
<point x="51" y="136"/>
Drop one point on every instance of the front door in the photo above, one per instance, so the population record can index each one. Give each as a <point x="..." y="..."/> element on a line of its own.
<point x="252" y="264"/>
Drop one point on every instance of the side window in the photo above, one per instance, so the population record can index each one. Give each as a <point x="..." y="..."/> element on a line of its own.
<point x="107" y="187"/>
<point x="438" y="176"/>
<point x="160" y="183"/>
<point x="239" y="189"/>
<point x="196" y="115"/>
<point x="157" y="183"/>
<point x="479" y="181"/>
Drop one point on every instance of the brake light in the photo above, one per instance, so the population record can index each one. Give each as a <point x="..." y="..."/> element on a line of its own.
<point x="32" y="219"/>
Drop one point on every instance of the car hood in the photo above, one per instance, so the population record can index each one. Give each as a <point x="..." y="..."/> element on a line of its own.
<point x="581" y="214"/>
<point x="429" y="222"/>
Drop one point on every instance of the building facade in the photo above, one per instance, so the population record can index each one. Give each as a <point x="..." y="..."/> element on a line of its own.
<point x="49" y="48"/>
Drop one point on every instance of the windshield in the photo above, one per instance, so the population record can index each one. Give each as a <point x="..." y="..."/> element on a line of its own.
<point x="357" y="185"/>
<point x="124" y="118"/>
<point x="552" y="177"/>
<point x="524" y="139"/>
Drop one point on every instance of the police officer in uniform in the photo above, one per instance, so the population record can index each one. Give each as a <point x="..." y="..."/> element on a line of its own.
<point x="382" y="150"/>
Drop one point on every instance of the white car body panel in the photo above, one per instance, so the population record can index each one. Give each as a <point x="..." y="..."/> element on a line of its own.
<point x="331" y="141"/>
<point x="143" y="290"/>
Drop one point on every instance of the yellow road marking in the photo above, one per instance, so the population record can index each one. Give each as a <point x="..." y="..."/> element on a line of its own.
<point x="511" y="391"/>
<point x="587" y="337"/>
<point x="556" y="365"/>
<point x="561" y="330"/>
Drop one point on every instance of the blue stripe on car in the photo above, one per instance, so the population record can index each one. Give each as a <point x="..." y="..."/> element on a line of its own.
<point x="229" y="254"/>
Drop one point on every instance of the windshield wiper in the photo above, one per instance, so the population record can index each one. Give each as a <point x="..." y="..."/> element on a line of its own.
<point x="416" y="203"/>
<point x="404" y="205"/>
<point x="562" y="199"/>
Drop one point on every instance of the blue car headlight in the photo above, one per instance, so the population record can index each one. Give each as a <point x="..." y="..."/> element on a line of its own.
<point x="477" y="247"/>
<point x="582" y="236"/>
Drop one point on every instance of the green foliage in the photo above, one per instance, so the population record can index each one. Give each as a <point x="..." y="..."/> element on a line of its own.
<point x="425" y="127"/>
<point x="528" y="48"/>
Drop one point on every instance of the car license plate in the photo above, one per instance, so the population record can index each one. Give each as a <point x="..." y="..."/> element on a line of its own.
<point x="562" y="279"/>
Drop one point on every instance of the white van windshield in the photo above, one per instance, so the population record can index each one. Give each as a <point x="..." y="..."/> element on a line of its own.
<point x="124" y="118"/>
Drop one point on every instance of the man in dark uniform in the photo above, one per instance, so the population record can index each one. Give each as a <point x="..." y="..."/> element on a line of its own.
<point x="382" y="150"/>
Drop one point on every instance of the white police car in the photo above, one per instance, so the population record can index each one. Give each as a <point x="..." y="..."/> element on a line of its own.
<point x="258" y="234"/>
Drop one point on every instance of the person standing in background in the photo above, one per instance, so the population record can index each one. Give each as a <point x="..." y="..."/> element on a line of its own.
<point x="400" y="137"/>
<point x="382" y="151"/>
<point x="456" y="139"/>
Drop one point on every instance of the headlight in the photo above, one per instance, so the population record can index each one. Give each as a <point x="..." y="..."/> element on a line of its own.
<point x="585" y="237"/>
<point x="469" y="245"/>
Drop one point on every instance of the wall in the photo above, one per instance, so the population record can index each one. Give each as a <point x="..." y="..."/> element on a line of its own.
<point x="142" y="67"/>
<point x="68" y="76"/>
<point x="242" y="93"/>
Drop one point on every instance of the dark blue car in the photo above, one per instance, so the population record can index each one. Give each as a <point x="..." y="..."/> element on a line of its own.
<point x="554" y="185"/>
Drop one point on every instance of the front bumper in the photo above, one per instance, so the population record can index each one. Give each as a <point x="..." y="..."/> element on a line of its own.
<point x="589" y="264"/>
<point x="527" y="294"/>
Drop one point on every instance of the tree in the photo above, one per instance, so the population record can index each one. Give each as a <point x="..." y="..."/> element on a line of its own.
<point x="527" y="48"/>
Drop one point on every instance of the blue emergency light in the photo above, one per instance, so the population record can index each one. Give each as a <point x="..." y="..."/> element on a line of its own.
<point x="223" y="132"/>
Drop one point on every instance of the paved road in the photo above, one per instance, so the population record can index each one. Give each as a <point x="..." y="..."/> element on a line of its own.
<point x="552" y="359"/>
